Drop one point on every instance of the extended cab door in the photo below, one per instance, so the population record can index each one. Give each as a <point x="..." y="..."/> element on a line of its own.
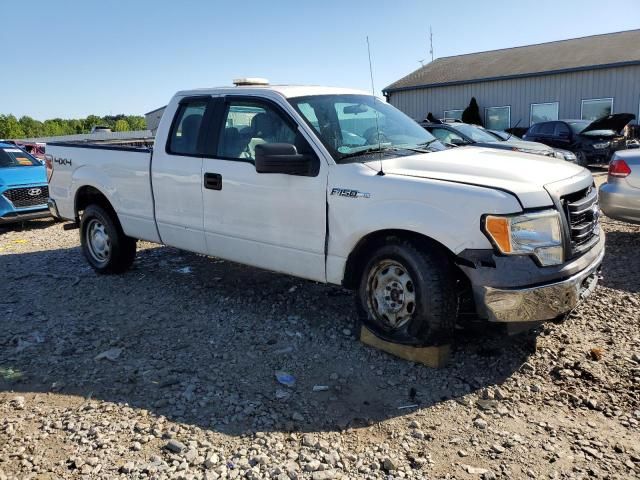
<point x="269" y="220"/>
<point x="176" y="170"/>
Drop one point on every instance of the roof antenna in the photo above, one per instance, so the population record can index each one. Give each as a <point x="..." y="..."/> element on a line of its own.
<point x="373" y="92"/>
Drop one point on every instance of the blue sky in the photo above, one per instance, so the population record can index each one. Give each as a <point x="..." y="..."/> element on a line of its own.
<point x="73" y="58"/>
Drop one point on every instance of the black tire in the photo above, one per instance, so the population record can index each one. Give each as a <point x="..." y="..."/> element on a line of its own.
<point x="581" y="159"/>
<point x="101" y="228"/>
<point x="431" y="319"/>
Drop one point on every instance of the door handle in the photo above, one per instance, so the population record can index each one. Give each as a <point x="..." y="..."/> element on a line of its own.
<point x="213" y="181"/>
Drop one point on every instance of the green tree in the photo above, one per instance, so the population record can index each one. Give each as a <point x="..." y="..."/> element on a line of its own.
<point x="90" y="122"/>
<point x="121" y="126"/>
<point x="137" y="122"/>
<point x="27" y="127"/>
<point x="30" y="127"/>
<point x="10" y="127"/>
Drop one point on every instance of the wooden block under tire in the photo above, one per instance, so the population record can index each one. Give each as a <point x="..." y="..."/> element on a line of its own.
<point x="434" y="357"/>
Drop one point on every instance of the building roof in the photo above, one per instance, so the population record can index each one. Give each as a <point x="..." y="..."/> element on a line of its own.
<point x="586" y="53"/>
<point x="156" y="110"/>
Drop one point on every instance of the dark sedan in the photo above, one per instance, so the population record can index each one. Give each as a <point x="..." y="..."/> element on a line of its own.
<point x="592" y="141"/>
<point x="456" y="134"/>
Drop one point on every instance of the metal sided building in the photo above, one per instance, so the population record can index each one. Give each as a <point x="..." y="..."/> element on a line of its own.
<point x="584" y="78"/>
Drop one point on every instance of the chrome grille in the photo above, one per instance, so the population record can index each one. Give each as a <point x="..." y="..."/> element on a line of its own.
<point x="27" y="196"/>
<point x="581" y="209"/>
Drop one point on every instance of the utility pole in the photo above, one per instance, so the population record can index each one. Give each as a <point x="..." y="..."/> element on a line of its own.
<point x="431" y="42"/>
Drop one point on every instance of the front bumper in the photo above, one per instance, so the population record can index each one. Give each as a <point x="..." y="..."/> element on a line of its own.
<point x="620" y="201"/>
<point x="514" y="289"/>
<point x="10" y="213"/>
<point x="22" y="216"/>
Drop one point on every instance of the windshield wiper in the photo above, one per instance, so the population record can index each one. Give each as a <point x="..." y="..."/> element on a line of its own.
<point x="423" y="147"/>
<point x="365" y="151"/>
<point x="426" y="144"/>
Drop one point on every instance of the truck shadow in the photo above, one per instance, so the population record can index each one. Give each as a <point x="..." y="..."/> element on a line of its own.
<point x="618" y="269"/>
<point x="28" y="225"/>
<point x="198" y="340"/>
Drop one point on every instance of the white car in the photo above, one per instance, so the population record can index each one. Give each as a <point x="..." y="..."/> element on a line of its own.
<point x="277" y="177"/>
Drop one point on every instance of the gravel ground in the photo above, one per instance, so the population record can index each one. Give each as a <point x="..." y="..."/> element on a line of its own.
<point x="169" y="370"/>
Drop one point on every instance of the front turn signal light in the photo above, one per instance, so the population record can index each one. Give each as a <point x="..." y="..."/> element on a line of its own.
<point x="498" y="230"/>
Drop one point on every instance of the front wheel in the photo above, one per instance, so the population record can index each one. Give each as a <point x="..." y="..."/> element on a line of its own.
<point x="582" y="159"/>
<point x="407" y="295"/>
<point x="104" y="244"/>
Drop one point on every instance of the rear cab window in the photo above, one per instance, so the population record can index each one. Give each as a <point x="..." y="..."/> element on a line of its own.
<point x="185" y="131"/>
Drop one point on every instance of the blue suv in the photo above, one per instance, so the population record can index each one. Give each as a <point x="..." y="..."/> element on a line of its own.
<point x="23" y="186"/>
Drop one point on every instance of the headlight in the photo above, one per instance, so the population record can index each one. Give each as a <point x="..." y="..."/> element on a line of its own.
<point x="526" y="150"/>
<point x="565" y="155"/>
<point x="600" y="146"/>
<point x="538" y="234"/>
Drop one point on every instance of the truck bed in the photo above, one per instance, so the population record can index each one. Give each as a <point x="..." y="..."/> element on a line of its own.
<point x="124" y="174"/>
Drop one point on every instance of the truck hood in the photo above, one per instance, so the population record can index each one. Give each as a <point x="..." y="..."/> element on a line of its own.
<point x="615" y="122"/>
<point x="12" y="176"/>
<point x="522" y="174"/>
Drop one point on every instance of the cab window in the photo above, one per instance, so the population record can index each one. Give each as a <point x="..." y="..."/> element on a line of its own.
<point x="562" y="130"/>
<point x="446" y="136"/>
<point x="248" y="124"/>
<point x="183" y="139"/>
<point x="546" y="128"/>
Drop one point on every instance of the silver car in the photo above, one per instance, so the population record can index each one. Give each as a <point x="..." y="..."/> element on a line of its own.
<point x="620" y="196"/>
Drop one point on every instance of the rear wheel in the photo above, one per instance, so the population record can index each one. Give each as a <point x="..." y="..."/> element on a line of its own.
<point x="407" y="295"/>
<point x="104" y="244"/>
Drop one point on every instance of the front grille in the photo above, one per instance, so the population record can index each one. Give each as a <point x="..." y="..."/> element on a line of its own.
<point x="581" y="209"/>
<point x="27" y="196"/>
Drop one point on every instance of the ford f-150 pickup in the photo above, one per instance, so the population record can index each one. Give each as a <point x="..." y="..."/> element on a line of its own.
<point x="337" y="186"/>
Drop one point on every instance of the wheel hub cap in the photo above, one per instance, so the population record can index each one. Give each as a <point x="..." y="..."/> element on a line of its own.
<point x="98" y="241"/>
<point x="391" y="294"/>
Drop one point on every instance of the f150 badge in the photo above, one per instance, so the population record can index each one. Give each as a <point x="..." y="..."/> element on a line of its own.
<point x="347" y="192"/>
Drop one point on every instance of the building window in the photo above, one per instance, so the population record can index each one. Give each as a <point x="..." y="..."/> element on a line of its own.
<point x="453" y="114"/>
<point x="595" y="108"/>
<point x="543" y="112"/>
<point x="497" y="118"/>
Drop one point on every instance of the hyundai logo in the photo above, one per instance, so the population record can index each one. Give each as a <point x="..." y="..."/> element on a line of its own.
<point x="34" y="192"/>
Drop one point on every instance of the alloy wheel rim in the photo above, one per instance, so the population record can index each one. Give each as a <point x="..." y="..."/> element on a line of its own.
<point x="391" y="295"/>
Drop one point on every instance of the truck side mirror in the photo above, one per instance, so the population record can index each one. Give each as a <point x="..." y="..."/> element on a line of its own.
<point x="284" y="158"/>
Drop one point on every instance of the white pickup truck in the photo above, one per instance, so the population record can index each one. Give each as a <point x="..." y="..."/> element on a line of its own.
<point x="337" y="186"/>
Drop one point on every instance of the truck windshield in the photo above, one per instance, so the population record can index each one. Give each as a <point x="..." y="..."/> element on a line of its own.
<point x="349" y="125"/>
<point x="15" y="157"/>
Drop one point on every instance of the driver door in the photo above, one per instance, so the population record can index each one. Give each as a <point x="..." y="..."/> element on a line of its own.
<point x="268" y="220"/>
